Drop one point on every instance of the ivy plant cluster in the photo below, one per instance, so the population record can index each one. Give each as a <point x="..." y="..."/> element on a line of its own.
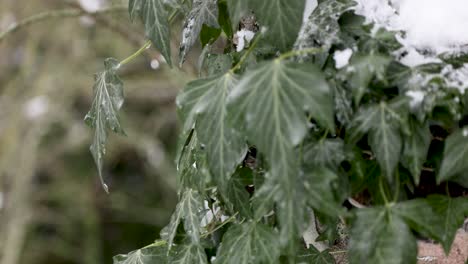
<point x="275" y="132"/>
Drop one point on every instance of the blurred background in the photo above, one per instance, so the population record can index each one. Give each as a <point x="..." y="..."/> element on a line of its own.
<point x="52" y="206"/>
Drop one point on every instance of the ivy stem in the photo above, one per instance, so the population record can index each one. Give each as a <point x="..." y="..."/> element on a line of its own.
<point x="246" y="54"/>
<point x="146" y="46"/>
<point x="397" y="191"/>
<point x="293" y="53"/>
<point x="338" y="252"/>
<point x="382" y="191"/>
<point x="63" y="13"/>
<point x="221" y="225"/>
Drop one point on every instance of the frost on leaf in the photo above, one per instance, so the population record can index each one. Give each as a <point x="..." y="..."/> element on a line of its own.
<point x="203" y="12"/>
<point x="108" y="99"/>
<point x="155" y="253"/>
<point x="321" y="29"/>
<point x="155" y="19"/>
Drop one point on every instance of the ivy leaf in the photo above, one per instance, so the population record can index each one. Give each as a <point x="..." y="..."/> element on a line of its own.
<point x="312" y="256"/>
<point x="363" y="69"/>
<point x="155" y="253"/>
<point x="103" y="115"/>
<point x="455" y="156"/>
<point x="237" y="9"/>
<point x="415" y="148"/>
<point x="192" y="171"/>
<point x="187" y="209"/>
<point x="282" y="18"/>
<point x="383" y="122"/>
<point x="248" y="243"/>
<point x="203" y="102"/>
<point x="327" y="153"/>
<point x="319" y="191"/>
<point x="236" y="194"/>
<point x="438" y="217"/>
<point x="203" y="12"/>
<point x="269" y="104"/>
<point x="321" y="29"/>
<point x="154" y="16"/>
<point x="379" y="236"/>
<point x="188" y="254"/>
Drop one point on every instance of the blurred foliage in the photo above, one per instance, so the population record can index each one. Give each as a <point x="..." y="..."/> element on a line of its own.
<point x="52" y="206"/>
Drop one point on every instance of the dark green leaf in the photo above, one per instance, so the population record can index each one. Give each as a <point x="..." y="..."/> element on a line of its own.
<point x="209" y="35"/>
<point x="415" y="148"/>
<point x="237" y="9"/>
<point x="320" y="192"/>
<point x="363" y="69"/>
<point x="188" y="209"/>
<point x="203" y="12"/>
<point x="155" y="18"/>
<point x="156" y="253"/>
<point x="452" y="212"/>
<point x="327" y="153"/>
<point x="236" y="194"/>
<point x="313" y="256"/>
<point x="103" y="115"/>
<point x="188" y="254"/>
<point x="203" y="102"/>
<point x="380" y="237"/>
<point x="249" y="243"/>
<point x="282" y="18"/>
<point x="455" y="156"/>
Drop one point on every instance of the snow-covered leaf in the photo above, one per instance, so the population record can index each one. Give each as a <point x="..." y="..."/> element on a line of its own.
<point x="155" y="253"/>
<point x="203" y="103"/>
<point x="188" y="209"/>
<point x="203" y="12"/>
<point x="188" y="254"/>
<point x="103" y="115"/>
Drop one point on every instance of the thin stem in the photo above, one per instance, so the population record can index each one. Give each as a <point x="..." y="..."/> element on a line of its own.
<point x="397" y="191"/>
<point x="246" y="54"/>
<point x="63" y="13"/>
<point x="338" y="252"/>
<point x="221" y="225"/>
<point x="136" y="54"/>
<point x="293" y="53"/>
<point x="382" y="191"/>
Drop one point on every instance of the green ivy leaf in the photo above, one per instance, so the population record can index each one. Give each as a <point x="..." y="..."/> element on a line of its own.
<point x="188" y="209"/>
<point x="237" y="9"/>
<point x="203" y="102"/>
<point x="269" y="104"/>
<point x="248" y="243"/>
<point x="383" y="122"/>
<point x="188" y="254"/>
<point x="192" y="170"/>
<point x="154" y="16"/>
<point x="236" y="194"/>
<point x="379" y="236"/>
<point x="103" y="115"/>
<point x="320" y="193"/>
<point x="455" y="156"/>
<point x="156" y="253"/>
<point x="203" y="12"/>
<point x="415" y="148"/>
<point x="438" y="217"/>
<point x="312" y="256"/>
<point x="282" y="18"/>
<point x="327" y="153"/>
<point x="363" y="68"/>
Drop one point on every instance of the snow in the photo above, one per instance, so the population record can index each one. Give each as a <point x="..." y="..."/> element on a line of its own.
<point x="36" y="107"/>
<point x="244" y="37"/>
<point x="310" y="6"/>
<point x="91" y="6"/>
<point x="432" y="26"/>
<point x="342" y="57"/>
<point x="417" y="98"/>
<point x="155" y="64"/>
<point x="465" y="133"/>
